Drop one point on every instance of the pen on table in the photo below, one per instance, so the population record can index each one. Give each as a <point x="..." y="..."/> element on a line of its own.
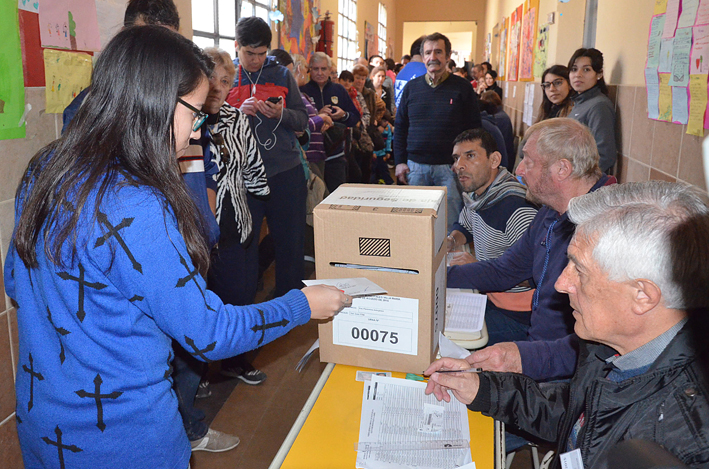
<point x="467" y="370"/>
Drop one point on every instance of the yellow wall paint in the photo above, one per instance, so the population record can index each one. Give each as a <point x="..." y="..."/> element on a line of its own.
<point x="442" y="10"/>
<point x="457" y="32"/>
<point x="622" y="35"/>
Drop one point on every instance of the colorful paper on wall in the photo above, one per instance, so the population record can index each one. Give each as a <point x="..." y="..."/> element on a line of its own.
<point x="666" y="55"/>
<point x="702" y="13"/>
<point x="680" y="105"/>
<point x="297" y="30"/>
<point x="69" y="24"/>
<point x="680" y="57"/>
<point x="689" y="13"/>
<point x="12" y="86"/>
<point x="653" y="48"/>
<point x="515" y="36"/>
<point x="29" y="5"/>
<point x="660" y="7"/>
<point x="652" y="82"/>
<point x="698" y="104"/>
<point x="540" y="51"/>
<point x="671" y="19"/>
<point x="529" y="34"/>
<point x="665" y="98"/>
<point x="699" y="59"/>
<point x="503" y="49"/>
<point x="67" y="74"/>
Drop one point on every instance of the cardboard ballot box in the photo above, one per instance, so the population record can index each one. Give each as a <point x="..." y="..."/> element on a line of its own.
<point x="394" y="236"/>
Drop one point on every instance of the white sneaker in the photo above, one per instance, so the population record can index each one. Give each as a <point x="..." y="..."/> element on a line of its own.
<point x="215" y="442"/>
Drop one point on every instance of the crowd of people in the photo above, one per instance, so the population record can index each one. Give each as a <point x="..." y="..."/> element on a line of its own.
<point x="135" y="256"/>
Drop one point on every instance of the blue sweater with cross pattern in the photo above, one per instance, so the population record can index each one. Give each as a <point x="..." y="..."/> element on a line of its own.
<point x="93" y="376"/>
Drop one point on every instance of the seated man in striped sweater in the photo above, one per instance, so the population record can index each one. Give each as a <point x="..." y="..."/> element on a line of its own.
<point x="494" y="216"/>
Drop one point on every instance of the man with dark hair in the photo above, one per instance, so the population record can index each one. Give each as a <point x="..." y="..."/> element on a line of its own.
<point x="412" y="69"/>
<point x="638" y="376"/>
<point x="160" y="12"/>
<point x="405" y="59"/>
<point x="268" y="94"/>
<point x="495" y="215"/>
<point x="434" y="108"/>
<point x="376" y="61"/>
<point x="487" y="66"/>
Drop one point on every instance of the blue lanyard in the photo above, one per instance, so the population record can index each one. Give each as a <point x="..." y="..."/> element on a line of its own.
<point x="535" y="300"/>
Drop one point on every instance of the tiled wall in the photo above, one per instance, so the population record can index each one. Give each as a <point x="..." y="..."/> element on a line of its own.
<point x="14" y="155"/>
<point x="647" y="149"/>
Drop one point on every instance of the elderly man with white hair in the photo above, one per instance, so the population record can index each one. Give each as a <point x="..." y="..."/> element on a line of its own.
<point x="637" y="376"/>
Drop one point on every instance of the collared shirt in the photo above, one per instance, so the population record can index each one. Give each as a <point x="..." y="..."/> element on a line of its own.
<point x="646" y="355"/>
<point x="433" y="84"/>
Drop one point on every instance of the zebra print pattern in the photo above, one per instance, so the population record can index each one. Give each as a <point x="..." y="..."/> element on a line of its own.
<point x="242" y="170"/>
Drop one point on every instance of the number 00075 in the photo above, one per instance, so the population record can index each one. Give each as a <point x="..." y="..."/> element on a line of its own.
<point x="374" y="335"/>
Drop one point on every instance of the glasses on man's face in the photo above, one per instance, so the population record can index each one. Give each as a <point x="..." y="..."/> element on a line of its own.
<point x="199" y="116"/>
<point x="556" y="84"/>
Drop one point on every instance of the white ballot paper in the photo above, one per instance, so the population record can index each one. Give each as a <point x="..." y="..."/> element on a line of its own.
<point x="465" y="312"/>
<point x="448" y="348"/>
<point x="401" y="427"/>
<point x="355" y="287"/>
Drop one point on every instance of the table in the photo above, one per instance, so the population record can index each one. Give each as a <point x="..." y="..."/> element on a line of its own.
<point x="324" y="435"/>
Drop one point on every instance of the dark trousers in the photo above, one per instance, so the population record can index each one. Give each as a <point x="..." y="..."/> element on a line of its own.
<point x="336" y="173"/>
<point x="284" y="210"/>
<point x="186" y="374"/>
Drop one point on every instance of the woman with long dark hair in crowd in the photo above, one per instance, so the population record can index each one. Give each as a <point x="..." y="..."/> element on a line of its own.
<point x="106" y="267"/>
<point x="556" y="93"/>
<point x="592" y="107"/>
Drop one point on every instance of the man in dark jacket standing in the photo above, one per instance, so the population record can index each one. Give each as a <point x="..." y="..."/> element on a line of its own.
<point x="333" y="99"/>
<point x="433" y="110"/>
<point x="637" y="375"/>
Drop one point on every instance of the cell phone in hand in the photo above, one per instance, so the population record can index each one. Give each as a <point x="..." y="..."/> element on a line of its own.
<point x="275" y="99"/>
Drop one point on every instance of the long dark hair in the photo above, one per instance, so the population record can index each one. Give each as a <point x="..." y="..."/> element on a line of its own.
<point x="545" y="108"/>
<point x="125" y="125"/>
<point x="596" y="57"/>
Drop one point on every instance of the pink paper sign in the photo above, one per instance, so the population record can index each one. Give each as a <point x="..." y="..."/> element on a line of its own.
<point x="69" y="24"/>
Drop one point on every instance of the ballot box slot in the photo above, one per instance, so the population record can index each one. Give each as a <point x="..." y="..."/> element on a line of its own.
<point x="377" y="268"/>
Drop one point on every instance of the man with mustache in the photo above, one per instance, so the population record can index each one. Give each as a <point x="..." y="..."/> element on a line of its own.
<point x="433" y="110"/>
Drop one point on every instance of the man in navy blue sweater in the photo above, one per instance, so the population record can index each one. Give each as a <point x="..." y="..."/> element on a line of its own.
<point x="433" y="110"/>
<point x="560" y="163"/>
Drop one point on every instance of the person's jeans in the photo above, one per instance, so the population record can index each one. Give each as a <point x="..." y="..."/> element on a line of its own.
<point x="501" y="327"/>
<point x="284" y="210"/>
<point x="186" y="374"/>
<point x="438" y="175"/>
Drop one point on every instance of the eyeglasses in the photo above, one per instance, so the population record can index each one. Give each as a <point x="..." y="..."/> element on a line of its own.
<point x="199" y="116"/>
<point x="556" y="84"/>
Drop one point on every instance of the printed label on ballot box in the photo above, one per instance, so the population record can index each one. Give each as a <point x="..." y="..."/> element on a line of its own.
<point x="384" y="323"/>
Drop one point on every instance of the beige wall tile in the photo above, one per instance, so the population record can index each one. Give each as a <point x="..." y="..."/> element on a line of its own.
<point x="7" y="382"/>
<point x="10" y="454"/>
<point x="636" y="172"/>
<point x="3" y="304"/>
<point x="15" y="154"/>
<point x="642" y="129"/>
<point x="666" y="142"/>
<point x="691" y="169"/>
<point x="622" y="169"/>
<point x="613" y="93"/>
<point x="7" y="224"/>
<point x="624" y="111"/>
<point x="656" y="175"/>
<point x="14" y="337"/>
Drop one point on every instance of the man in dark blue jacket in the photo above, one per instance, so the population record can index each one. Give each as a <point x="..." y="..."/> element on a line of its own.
<point x="560" y="163"/>
<point x="331" y="98"/>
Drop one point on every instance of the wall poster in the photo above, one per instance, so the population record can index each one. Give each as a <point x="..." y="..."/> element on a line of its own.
<point x="513" y="49"/>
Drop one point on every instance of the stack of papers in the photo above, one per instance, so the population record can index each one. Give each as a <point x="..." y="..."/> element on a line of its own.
<point x="465" y="312"/>
<point x="401" y="427"/>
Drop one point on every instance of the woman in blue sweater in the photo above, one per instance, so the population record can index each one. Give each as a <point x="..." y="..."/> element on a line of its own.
<point x="106" y="267"/>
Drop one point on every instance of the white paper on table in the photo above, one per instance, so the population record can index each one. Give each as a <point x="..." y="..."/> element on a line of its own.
<point x="467" y="311"/>
<point x="448" y="348"/>
<point x="354" y="287"/>
<point x="393" y="411"/>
